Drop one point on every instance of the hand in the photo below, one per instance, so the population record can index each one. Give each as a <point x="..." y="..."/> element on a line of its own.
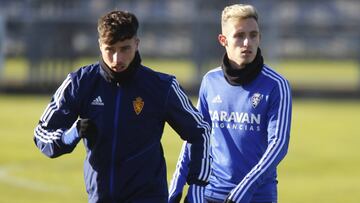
<point x="87" y="129"/>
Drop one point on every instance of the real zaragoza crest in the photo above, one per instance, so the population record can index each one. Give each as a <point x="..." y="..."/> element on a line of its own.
<point x="255" y="99"/>
<point x="138" y="105"/>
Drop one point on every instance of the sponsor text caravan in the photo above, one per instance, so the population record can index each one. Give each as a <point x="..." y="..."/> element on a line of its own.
<point x="236" y="120"/>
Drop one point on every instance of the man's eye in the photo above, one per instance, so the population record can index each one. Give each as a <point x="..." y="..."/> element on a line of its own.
<point x="253" y="35"/>
<point x="240" y="35"/>
<point x="125" y="49"/>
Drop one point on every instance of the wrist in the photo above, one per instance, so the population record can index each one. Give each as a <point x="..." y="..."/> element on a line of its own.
<point x="71" y="135"/>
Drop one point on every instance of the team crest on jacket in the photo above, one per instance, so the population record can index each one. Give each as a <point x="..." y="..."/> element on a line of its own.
<point x="138" y="105"/>
<point x="255" y="99"/>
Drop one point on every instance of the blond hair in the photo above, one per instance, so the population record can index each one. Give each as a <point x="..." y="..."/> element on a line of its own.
<point x="238" y="11"/>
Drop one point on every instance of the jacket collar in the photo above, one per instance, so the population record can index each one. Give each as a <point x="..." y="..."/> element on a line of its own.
<point x="120" y="77"/>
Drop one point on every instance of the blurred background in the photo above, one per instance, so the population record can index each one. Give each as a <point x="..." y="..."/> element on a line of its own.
<point x="315" y="44"/>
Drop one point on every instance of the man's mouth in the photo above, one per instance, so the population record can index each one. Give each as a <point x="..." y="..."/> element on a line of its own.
<point x="118" y="68"/>
<point x="246" y="52"/>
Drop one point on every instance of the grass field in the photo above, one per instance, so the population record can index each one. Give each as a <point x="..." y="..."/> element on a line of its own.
<point x="319" y="74"/>
<point x="322" y="165"/>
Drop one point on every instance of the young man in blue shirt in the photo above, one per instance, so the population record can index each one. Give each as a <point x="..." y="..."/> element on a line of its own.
<point x="119" y="107"/>
<point x="249" y="106"/>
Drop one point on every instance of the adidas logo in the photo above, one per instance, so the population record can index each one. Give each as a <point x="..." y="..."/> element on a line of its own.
<point x="97" y="101"/>
<point x="217" y="99"/>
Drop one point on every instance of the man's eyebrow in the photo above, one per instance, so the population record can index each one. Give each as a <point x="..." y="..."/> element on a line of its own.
<point x="125" y="46"/>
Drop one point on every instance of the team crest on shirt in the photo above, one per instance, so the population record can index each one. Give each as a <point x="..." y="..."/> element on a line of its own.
<point x="255" y="99"/>
<point x="138" y="105"/>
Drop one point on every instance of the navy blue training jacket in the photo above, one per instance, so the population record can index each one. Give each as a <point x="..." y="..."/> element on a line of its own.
<point x="125" y="161"/>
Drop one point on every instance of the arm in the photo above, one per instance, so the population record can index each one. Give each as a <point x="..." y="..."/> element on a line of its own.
<point x="56" y="132"/>
<point x="279" y="119"/>
<point x="189" y="124"/>
<point x="179" y="177"/>
<point x="195" y="193"/>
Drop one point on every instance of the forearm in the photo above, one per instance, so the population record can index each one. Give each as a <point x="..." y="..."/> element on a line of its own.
<point x="257" y="176"/>
<point x="55" y="142"/>
<point x="181" y="172"/>
<point x="200" y="162"/>
<point x="187" y="121"/>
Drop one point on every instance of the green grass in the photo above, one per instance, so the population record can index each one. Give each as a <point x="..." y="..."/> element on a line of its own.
<point x="309" y="74"/>
<point x="17" y="69"/>
<point x="331" y="74"/>
<point x="322" y="164"/>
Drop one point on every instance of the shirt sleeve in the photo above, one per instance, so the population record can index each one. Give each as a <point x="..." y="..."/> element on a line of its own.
<point x="202" y="104"/>
<point x="181" y="171"/>
<point x="179" y="177"/>
<point x="187" y="121"/>
<point x="56" y="132"/>
<point x="278" y="129"/>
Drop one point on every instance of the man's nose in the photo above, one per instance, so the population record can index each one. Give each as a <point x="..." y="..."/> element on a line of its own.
<point x="246" y="41"/>
<point x="117" y="57"/>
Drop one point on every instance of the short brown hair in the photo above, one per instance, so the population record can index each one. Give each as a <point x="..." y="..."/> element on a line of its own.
<point x="117" y="26"/>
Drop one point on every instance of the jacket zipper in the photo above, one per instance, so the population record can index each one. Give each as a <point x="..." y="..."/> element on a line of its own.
<point x="114" y="142"/>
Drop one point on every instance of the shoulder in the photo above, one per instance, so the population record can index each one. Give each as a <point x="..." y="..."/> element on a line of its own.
<point x="86" y="71"/>
<point x="85" y="75"/>
<point x="272" y="76"/>
<point x="213" y="74"/>
<point x="275" y="81"/>
<point x="155" y="76"/>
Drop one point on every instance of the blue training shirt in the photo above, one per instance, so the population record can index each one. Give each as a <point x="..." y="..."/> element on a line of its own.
<point x="250" y="136"/>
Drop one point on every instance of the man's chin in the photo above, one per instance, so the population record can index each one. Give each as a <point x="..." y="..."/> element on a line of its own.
<point x="247" y="59"/>
<point x="118" y="69"/>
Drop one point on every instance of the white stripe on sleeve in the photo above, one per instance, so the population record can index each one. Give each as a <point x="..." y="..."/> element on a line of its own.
<point x="55" y="104"/>
<point x="205" y="170"/>
<point x="280" y="136"/>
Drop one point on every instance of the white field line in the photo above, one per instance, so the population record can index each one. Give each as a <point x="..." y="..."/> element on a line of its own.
<point x="5" y="177"/>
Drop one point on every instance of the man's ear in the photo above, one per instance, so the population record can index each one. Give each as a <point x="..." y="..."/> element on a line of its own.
<point x="222" y="40"/>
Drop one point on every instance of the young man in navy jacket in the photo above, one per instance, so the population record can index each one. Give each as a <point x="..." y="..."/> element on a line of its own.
<point x="119" y="107"/>
<point x="249" y="106"/>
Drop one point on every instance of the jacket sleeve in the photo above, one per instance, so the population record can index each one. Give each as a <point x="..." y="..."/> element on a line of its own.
<point x="56" y="132"/>
<point x="179" y="177"/>
<point x="186" y="120"/>
<point x="278" y="129"/>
